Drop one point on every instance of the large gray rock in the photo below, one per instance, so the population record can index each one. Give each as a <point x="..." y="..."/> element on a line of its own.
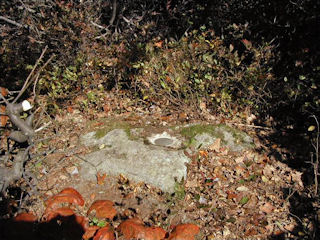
<point x="152" y="164"/>
<point x="155" y="156"/>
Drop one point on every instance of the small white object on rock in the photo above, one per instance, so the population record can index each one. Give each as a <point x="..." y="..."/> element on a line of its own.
<point x="26" y="105"/>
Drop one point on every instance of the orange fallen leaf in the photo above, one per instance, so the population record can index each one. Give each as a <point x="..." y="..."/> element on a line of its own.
<point x="103" y="208"/>
<point x="166" y="118"/>
<point x="3" y="118"/>
<point x="250" y="232"/>
<point x="184" y="232"/>
<point x="53" y="213"/>
<point x="158" y="44"/>
<point x="182" y="116"/>
<point x="106" y="108"/>
<point x="203" y="153"/>
<point x="105" y="233"/>
<point x="69" y="109"/>
<point x="231" y="195"/>
<point x="67" y="195"/>
<point x="247" y="43"/>
<point x="101" y="178"/>
<point x="92" y="196"/>
<point x="4" y="91"/>
<point x="25" y="217"/>
<point x="134" y="229"/>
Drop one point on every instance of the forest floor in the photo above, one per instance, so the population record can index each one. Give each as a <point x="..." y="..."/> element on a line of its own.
<point x="228" y="195"/>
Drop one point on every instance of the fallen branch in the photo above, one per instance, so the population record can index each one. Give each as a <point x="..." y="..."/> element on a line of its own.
<point x="251" y="126"/>
<point x="8" y="175"/>
<point x="11" y="22"/>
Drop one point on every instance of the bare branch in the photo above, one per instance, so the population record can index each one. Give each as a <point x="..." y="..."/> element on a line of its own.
<point x="114" y="12"/>
<point x="38" y="74"/>
<point x="24" y="87"/>
<point x="11" y="21"/>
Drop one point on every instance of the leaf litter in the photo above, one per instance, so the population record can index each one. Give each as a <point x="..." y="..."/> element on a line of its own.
<point x="226" y="195"/>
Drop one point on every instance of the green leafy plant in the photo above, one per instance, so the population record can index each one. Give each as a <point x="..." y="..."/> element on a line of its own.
<point x="202" y="66"/>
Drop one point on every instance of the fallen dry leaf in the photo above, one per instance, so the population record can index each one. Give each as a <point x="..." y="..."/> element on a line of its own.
<point x="267" y="208"/>
<point x="231" y="195"/>
<point x="25" y="217"/>
<point x="158" y="44"/>
<point x="105" y="233"/>
<point x="69" y="109"/>
<point x="247" y="43"/>
<point x="4" y="91"/>
<point x="103" y="209"/>
<point x="216" y="145"/>
<point x="101" y="178"/>
<point x="184" y="232"/>
<point x="203" y="153"/>
<point x="134" y="229"/>
<point x="3" y="118"/>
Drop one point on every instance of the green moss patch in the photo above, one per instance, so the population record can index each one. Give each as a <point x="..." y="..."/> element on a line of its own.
<point x="111" y="125"/>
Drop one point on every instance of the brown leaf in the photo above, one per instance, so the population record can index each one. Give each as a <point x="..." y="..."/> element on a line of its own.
<point x="231" y="195"/>
<point x="184" y="232"/>
<point x="216" y="145"/>
<point x="267" y="208"/>
<point x="106" y="108"/>
<point x="3" y="118"/>
<point x="25" y="217"/>
<point x="101" y="178"/>
<point x="67" y="195"/>
<point x="247" y="43"/>
<point x="69" y="109"/>
<point x="135" y="229"/>
<point x="159" y="44"/>
<point x="4" y="91"/>
<point x="103" y="208"/>
<point x="203" y="153"/>
<point x="250" y="232"/>
<point x="105" y="233"/>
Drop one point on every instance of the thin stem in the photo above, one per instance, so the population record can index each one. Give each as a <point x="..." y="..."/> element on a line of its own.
<point x="24" y="87"/>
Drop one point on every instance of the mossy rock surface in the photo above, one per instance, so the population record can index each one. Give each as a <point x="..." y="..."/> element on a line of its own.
<point x="202" y="136"/>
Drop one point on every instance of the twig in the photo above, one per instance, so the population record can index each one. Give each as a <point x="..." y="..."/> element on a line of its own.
<point x="97" y="25"/>
<point x="315" y="162"/>
<point x="27" y="8"/>
<point x="24" y="87"/>
<point x="251" y="126"/>
<point x="296" y="217"/>
<point x="86" y="161"/>
<point x="114" y="12"/>
<point x="38" y="74"/>
<point x="44" y="126"/>
<point x="11" y="21"/>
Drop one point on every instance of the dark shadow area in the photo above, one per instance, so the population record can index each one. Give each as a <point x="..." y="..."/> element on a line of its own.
<point x="57" y="229"/>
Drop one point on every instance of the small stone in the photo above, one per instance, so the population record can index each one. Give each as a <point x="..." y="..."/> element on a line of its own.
<point x="242" y="189"/>
<point x="73" y="170"/>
